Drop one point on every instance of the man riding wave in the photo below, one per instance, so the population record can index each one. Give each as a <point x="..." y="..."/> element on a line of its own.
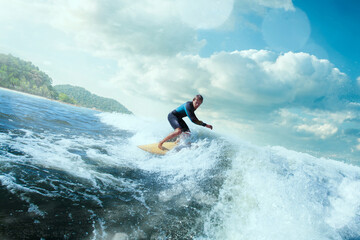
<point x="176" y="118"/>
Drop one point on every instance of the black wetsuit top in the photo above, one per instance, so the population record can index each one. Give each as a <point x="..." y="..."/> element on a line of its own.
<point x="176" y="117"/>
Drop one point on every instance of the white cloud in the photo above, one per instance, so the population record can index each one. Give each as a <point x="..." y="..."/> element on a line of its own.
<point x="358" y="146"/>
<point x="259" y="6"/>
<point x="20" y="10"/>
<point x="252" y="77"/>
<point x="245" y="79"/>
<point x="289" y="117"/>
<point x="320" y="123"/>
<point x="321" y="130"/>
<point x="246" y="87"/>
<point x="146" y="27"/>
<point x="171" y="79"/>
<point x="205" y="14"/>
<point x="285" y="4"/>
<point x="118" y="28"/>
<point x="261" y="78"/>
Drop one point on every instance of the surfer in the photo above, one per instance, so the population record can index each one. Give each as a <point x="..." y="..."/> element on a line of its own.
<point x="176" y="118"/>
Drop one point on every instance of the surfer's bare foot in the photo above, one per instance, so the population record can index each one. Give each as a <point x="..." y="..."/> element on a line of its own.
<point x="160" y="146"/>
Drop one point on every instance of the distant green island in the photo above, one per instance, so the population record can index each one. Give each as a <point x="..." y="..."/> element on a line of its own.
<point x="23" y="76"/>
<point x="84" y="98"/>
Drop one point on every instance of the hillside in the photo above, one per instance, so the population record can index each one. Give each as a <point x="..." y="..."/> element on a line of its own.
<point x="85" y="98"/>
<point x="23" y="76"/>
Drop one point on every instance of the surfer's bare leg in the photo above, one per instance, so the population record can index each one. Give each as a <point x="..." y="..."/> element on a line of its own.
<point x="175" y="133"/>
<point x="183" y="136"/>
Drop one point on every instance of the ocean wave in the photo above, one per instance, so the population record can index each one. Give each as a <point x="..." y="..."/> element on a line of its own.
<point x="77" y="180"/>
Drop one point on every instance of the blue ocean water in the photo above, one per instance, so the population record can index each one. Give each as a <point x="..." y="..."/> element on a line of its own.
<point x="73" y="173"/>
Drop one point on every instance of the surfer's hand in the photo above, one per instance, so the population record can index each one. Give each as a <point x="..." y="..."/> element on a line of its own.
<point x="208" y="126"/>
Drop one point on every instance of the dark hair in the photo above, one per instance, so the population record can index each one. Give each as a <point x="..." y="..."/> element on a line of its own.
<point x="199" y="97"/>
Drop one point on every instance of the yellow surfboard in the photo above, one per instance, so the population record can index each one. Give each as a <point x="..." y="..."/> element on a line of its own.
<point x="153" y="148"/>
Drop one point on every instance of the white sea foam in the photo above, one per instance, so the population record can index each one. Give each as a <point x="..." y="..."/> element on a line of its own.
<point x="200" y="156"/>
<point x="345" y="205"/>
<point x="182" y="168"/>
<point x="51" y="151"/>
<point x="35" y="209"/>
<point x="144" y="129"/>
<point x="274" y="193"/>
<point x="268" y="192"/>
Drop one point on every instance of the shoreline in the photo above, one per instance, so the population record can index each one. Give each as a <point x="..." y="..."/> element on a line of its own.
<point x="37" y="96"/>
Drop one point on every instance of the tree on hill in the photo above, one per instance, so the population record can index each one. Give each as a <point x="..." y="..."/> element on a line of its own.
<point x="23" y="76"/>
<point x="86" y="99"/>
<point x="66" y="99"/>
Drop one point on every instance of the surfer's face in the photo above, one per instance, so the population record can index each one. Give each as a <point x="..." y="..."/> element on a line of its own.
<point x="197" y="102"/>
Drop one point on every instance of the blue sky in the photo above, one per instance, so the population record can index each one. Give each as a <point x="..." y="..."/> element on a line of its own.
<point x="275" y="72"/>
<point x="336" y="31"/>
<point x="333" y="27"/>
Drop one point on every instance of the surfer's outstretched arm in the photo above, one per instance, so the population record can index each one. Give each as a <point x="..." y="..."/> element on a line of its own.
<point x="175" y="133"/>
<point x="189" y="110"/>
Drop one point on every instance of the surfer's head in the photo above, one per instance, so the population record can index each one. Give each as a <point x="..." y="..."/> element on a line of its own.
<point x="197" y="101"/>
<point x="199" y="97"/>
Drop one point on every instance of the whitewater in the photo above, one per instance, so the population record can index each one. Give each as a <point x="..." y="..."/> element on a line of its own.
<point x="73" y="173"/>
